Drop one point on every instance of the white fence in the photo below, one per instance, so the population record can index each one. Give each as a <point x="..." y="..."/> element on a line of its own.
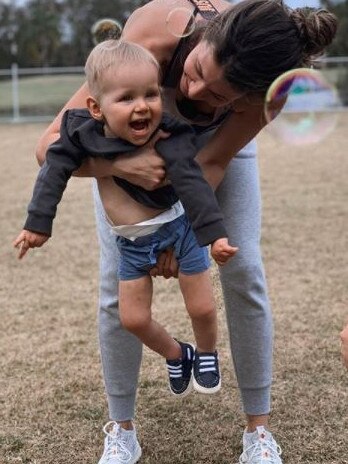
<point x="37" y="94"/>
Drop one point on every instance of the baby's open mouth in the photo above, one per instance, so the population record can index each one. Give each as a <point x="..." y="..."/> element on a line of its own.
<point x="141" y="124"/>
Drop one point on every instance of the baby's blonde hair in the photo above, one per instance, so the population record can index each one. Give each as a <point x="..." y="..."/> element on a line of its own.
<point x="112" y="54"/>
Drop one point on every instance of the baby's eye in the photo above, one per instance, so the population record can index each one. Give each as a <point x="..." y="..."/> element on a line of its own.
<point x="153" y="94"/>
<point x="126" y="98"/>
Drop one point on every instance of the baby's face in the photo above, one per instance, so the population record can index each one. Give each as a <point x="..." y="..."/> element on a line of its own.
<point x="131" y="102"/>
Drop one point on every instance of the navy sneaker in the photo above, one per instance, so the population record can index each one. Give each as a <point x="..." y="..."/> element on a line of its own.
<point x="180" y="371"/>
<point x="206" y="372"/>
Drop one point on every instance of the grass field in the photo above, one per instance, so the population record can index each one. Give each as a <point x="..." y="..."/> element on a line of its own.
<point x="51" y="392"/>
<point x="39" y="95"/>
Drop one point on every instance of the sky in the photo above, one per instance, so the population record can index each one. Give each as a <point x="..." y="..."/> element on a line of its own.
<point x="14" y="2"/>
<point x="300" y="3"/>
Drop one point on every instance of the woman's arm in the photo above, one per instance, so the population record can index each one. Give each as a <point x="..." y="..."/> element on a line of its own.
<point x="239" y="129"/>
<point x="242" y="126"/>
<point x="51" y="134"/>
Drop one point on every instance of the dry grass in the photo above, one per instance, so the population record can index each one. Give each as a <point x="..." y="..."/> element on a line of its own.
<point x="51" y="391"/>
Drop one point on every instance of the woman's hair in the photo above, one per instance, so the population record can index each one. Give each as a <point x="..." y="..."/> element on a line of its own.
<point x="112" y="54"/>
<point x="258" y="40"/>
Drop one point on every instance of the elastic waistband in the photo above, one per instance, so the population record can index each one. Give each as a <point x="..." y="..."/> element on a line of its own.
<point x="134" y="231"/>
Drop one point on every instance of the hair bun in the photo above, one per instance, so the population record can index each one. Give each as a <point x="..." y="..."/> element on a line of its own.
<point x="317" y="29"/>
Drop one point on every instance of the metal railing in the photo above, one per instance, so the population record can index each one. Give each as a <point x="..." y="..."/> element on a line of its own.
<point x="37" y="94"/>
<point x="16" y="103"/>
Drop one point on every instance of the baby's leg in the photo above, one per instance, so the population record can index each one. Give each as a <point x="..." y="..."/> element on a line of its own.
<point x="135" y="298"/>
<point x="197" y="291"/>
<point x="135" y="304"/>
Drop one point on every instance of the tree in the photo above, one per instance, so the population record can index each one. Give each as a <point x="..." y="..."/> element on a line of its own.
<point x="339" y="46"/>
<point x="80" y="15"/>
<point x="8" y="35"/>
<point x="54" y="32"/>
<point x="39" y="32"/>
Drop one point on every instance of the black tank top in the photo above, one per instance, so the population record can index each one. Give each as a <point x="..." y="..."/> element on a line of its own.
<point x="173" y="74"/>
<point x="174" y="68"/>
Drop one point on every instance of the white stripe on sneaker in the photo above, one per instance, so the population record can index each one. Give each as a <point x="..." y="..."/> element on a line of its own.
<point x="207" y="369"/>
<point x="174" y="368"/>
<point x="188" y="353"/>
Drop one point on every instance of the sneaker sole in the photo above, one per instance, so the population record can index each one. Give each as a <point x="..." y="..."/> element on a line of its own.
<point x="205" y="390"/>
<point x="133" y="461"/>
<point x="137" y="456"/>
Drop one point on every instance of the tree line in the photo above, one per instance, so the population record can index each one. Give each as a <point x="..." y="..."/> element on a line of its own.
<point x="58" y="32"/>
<point x="54" y="32"/>
<point x="340" y="45"/>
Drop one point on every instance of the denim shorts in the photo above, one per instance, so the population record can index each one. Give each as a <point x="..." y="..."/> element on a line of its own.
<point x="139" y="256"/>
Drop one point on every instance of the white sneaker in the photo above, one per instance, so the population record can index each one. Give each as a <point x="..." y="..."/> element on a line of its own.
<point x="120" y="446"/>
<point x="260" y="447"/>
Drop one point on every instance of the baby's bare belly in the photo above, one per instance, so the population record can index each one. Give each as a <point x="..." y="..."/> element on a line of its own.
<point x="120" y="208"/>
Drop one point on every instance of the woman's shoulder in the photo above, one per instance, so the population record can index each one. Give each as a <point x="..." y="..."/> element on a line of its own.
<point x="222" y="5"/>
<point x="148" y="26"/>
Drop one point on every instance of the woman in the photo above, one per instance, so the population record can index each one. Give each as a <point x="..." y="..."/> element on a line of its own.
<point x="216" y="79"/>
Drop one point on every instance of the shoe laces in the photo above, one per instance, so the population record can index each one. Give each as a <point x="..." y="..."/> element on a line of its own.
<point x="262" y="450"/>
<point x="207" y="363"/>
<point x="176" y="367"/>
<point x="116" y="443"/>
<point x="175" y="372"/>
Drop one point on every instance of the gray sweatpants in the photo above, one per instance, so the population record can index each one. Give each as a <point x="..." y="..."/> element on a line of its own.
<point x="248" y="313"/>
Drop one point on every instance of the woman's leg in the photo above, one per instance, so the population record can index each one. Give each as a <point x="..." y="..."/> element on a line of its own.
<point x="248" y="312"/>
<point x="120" y="350"/>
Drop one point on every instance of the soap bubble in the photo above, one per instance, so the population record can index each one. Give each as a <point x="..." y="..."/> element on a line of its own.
<point x="105" y="29"/>
<point x="180" y="22"/>
<point x="311" y="107"/>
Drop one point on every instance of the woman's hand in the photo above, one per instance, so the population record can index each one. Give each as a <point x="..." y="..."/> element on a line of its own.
<point x="166" y="266"/>
<point x="145" y="167"/>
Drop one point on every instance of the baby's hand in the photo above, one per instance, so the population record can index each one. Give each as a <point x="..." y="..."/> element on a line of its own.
<point x="27" y="239"/>
<point x="221" y="251"/>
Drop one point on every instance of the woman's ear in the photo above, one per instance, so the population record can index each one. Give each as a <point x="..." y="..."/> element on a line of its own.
<point x="94" y="108"/>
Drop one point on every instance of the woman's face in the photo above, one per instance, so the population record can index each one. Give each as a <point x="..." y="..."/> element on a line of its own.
<point x="203" y="79"/>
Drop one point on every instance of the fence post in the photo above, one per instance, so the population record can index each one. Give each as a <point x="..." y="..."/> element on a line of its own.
<point x="15" y="93"/>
